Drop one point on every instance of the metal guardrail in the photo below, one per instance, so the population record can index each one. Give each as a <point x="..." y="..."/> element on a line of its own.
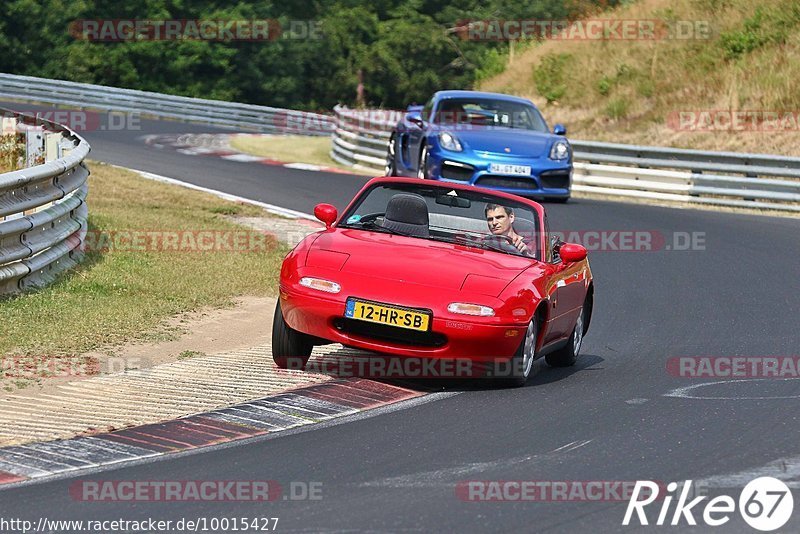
<point x="215" y="112"/>
<point x="758" y="181"/>
<point x="43" y="212"/>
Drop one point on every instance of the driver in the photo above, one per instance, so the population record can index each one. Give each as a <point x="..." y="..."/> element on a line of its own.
<point x="501" y="223"/>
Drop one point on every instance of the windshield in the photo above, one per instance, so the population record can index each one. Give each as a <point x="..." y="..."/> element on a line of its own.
<point x="491" y="113"/>
<point x="470" y="219"/>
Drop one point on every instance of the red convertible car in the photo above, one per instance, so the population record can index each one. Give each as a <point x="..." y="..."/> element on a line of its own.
<point x="426" y="269"/>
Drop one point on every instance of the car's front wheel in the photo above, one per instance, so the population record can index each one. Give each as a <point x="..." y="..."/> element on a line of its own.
<point x="290" y="349"/>
<point x="422" y="170"/>
<point x="519" y="369"/>
<point x="390" y="169"/>
<point x="568" y="355"/>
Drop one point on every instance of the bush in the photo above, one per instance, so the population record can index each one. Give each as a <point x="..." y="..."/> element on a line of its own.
<point x="604" y="85"/>
<point x="549" y="76"/>
<point x="617" y="109"/>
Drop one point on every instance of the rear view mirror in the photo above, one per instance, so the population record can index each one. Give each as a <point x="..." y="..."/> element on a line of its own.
<point x="571" y="252"/>
<point x="326" y="213"/>
<point x="415" y="117"/>
<point x="560" y="129"/>
<point x="453" y="201"/>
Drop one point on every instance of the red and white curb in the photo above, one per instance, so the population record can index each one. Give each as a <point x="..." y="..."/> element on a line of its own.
<point x="275" y="413"/>
<point x="217" y="145"/>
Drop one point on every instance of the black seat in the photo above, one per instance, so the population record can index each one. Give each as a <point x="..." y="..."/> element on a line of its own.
<point x="407" y="214"/>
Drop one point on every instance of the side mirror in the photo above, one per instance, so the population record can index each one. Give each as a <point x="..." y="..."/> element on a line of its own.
<point x="571" y="252"/>
<point x="560" y="129"/>
<point x="415" y="117"/>
<point x="326" y="213"/>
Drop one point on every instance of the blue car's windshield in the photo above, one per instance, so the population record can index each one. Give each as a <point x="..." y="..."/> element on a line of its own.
<point x="490" y="113"/>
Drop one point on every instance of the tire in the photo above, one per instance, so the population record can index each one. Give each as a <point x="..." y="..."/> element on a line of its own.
<point x="290" y="349"/>
<point x="559" y="200"/>
<point x="568" y="355"/>
<point x="422" y="169"/>
<point x="390" y="169"/>
<point x="521" y="364"/>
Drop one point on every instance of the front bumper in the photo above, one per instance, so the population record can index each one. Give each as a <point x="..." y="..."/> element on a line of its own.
<point x="450" y="337"/>
<point x="549" y="178"/>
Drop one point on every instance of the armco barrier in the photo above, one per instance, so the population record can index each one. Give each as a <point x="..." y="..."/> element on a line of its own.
<point x="216" y="112"/>
<point x="691" y="176"/>
<point x="43" y="210"/>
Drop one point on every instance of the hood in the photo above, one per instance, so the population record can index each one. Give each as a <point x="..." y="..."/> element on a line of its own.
<point x="416" y="261"/>
<point x="527" y="143"/>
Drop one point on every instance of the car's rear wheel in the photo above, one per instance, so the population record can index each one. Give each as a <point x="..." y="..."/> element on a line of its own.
<point x="290" y="349"/>
<point x="516" y="372"/>
<point x="422" y="169"/>
<point x="568" y="355"/>
<point x="390" y="168"/>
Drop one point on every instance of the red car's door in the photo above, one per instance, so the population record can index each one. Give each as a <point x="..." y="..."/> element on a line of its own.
<point x="569" y="280"/>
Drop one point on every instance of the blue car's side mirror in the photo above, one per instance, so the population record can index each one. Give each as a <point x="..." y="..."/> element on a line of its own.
<point x="415" y="117"/>
<point x="560" y="129"/>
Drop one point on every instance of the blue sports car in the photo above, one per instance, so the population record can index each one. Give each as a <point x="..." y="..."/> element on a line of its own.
<point x="489" y="140"/>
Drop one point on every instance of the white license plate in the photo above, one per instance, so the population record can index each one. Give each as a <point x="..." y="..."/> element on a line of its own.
<point x="505" y="168"/>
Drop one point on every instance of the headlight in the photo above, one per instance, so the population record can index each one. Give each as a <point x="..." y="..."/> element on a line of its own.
<point x="320" y="285"/>
<point x="560" y="150"/>
<point x="470" y="309"/>
<point x="449" y="142"/>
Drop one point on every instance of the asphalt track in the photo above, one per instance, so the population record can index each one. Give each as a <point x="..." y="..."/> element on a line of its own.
<point x="606" y="419"/>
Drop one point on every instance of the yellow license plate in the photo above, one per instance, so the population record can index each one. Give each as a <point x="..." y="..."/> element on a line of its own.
<point x="388" y="315"/>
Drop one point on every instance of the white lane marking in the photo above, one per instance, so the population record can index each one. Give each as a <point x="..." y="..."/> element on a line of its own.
<point x="572" y="446"/>
<point x="636" y="401"/>
<point x="304" y="166"/>
<point x="785" y="469"/>
<point x="244" y="158"/>
<point x="685" y="392"/>
<point x="277" y="210"/>
<point x="447" y="476"/>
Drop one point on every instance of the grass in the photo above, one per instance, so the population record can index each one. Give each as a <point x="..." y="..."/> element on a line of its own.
<point x="626" y="91"/>
<point x="287" y="148"/>
<point x="186" y="354"/>
<point x="116" y="296"/>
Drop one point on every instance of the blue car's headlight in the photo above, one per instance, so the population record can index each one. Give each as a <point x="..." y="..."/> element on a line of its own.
<point x="449" y="142"/>
<point x="560" y="150"/>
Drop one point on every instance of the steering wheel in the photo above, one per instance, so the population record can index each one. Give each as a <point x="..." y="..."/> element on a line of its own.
<point x="506" y="243"/>
<point x="502" y="241"/>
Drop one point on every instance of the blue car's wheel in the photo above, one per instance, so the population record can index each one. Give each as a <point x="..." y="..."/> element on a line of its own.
<point x="422" y="169"/>
<point x="391" y="158"/>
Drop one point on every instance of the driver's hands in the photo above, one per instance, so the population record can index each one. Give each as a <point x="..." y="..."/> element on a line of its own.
<point x="520" y="245"/>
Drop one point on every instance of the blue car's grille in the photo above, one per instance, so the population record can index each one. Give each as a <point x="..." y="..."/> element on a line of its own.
<point x="453" y="172"/>
<point x="507" y="182"/>
<point x="555" y="179"/>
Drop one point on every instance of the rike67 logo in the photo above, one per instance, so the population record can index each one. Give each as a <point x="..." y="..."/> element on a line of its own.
<point x="765" y="503"/>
